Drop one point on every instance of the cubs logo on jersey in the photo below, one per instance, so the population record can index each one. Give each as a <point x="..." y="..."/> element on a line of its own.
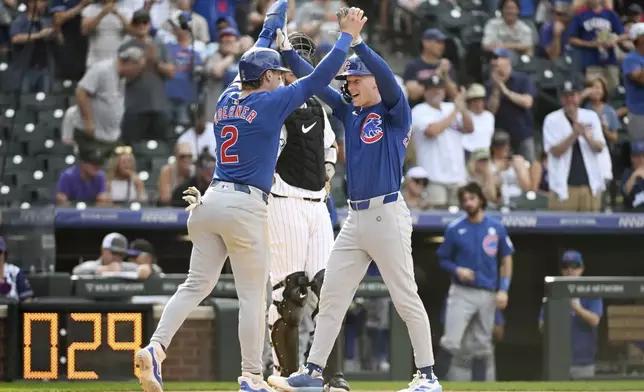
<point x="371" y="130"/>
<point x="491" y="242"/>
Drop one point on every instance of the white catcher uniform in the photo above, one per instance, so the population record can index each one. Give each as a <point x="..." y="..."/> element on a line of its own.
<point x="300" y="229"/>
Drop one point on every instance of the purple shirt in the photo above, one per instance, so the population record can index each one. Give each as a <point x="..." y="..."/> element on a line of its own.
<point x="71" y="184"/>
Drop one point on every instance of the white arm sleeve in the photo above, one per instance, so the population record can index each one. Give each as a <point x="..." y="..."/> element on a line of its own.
<point x="330" y="151"/>
<point x="283" y="136"/>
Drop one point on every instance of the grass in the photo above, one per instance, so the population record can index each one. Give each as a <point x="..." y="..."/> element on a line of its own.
<point x="613" y="386"/>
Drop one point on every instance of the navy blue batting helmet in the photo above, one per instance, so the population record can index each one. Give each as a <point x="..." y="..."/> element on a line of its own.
<point x="353" y="67"/>
<point x="256" y="61"/>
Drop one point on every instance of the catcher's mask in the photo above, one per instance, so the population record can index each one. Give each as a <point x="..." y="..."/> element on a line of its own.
<point x="304" y="46"/>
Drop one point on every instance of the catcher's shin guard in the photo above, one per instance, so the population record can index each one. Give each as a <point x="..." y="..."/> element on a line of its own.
<point x="285" y="330"/>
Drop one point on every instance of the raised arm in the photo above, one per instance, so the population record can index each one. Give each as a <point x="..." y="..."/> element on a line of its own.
<point x="275" y="19"/>
<point x="390" y="90"/>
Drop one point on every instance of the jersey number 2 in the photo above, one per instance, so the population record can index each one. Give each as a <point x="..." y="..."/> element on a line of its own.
<point x="229" y="133"/>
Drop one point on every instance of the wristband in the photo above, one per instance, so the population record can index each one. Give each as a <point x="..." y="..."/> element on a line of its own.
<point x="505" y="284"/>
<point x="357" y="41"/>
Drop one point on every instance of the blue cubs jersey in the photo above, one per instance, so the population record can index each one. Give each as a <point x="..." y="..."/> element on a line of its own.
<point x="583" y="337"/>
<point x="588" y="26"/>
<point x="247" y="129"/>
<point x="477" y="246"/>
<point x="376" y="138"/>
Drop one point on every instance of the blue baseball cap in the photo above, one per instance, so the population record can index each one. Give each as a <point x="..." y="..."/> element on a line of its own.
<point x="637" y="147"/>
<point x="572" y="257"/>
<point x="434" y="34"/>
<point x="3" y="245"/>
<point x="228" y="31"/>
<point x="502" y="52"/>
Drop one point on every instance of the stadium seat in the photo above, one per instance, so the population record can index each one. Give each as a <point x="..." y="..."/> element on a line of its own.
<point x="49" y="146"/>
<point x="36" y="178"/>
<point x="10" y="147"/>
<point x="530" y="201"/>
<point x="471" y="5"/>
<point x="55" y="163"/>
<point x="9" y="195"/>
<point x="64" y="87"/>
<point x="528" y="64"/>
<point x="7" y="101"/>
<point x="18" y="163"/>
<point x="52" y="118"/>
<point x="29" y="132"/>
<point x="143" y="164"/>
<point x="151" y="149"/>
<point x="41" y="101"/>
<point x="13" y="116"/>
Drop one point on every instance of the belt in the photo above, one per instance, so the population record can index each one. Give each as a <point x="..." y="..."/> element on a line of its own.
<point x="302" y="198"/>
<point x="241" y="188"/>
<point x="374" y="202"/>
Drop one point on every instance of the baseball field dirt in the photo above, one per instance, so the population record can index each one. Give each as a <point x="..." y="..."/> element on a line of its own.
<point x="608" y="386"/>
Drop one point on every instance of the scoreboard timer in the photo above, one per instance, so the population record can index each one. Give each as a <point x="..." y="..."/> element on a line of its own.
<point x="88" y="341"/>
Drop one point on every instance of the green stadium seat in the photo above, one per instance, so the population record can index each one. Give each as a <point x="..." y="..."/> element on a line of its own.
<point x="152" y="149"/>
<point x="52" y="118"/>
<point x="41" y="101"/>
<point x="538" y="201"/>
<point x="49" y="146"/>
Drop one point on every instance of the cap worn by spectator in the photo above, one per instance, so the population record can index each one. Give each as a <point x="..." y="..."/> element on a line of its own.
<point x="500" y="138"/>
<point x="570" y="87"/>
<point x="502" y="52"/>
<point x="115" y="243"/>
<point x="131" y="51"/>
<point x="417" y="173"/>
<point x="476" y="91"/>
<point x="228" y="31"/>
<point x="637" y="31"/>
<point x="139" y="246"/>
<point x="434" y="35"/>
<point x="480" y="154"/>
<point x="141" y="16"/>
<point x="572" y="257"/>
<point x="94" y="157"/>
<point x="637" y="147"/>
<point x="433" y="81"/>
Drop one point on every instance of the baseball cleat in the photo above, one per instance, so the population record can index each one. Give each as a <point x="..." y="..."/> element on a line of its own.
<point x="422" y="383"/>
<point x="302" y="381"/>
<point x="276" y="17"/>
<point x="148" y="361"/>
<point x="249" y="382"/>
<point x="337" y="383"/>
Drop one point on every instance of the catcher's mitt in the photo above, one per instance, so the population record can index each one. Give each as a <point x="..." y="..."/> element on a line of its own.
<point x="304" y="46"/>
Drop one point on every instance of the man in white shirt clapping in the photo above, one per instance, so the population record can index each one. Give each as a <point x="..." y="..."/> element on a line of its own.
<point x="438" y="129"/>
<point x="573" y="140"/>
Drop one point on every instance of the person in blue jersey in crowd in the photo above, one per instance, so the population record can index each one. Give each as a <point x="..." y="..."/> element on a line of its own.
<point x="231" y="220"/>
<point x="377" y="121"/>
<point x="470" y="253"/>
<point x="633" y="68"/>
<point x="585" y="313"/>
<point x="461" y="369"/>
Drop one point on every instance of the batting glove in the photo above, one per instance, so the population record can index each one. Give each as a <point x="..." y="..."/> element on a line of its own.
<point x="193" y="198"/>
<point x="282" y="40"/>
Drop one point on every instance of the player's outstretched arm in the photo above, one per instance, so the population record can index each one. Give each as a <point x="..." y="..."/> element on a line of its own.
<point x="275" y="19"/>
<point x="390" y="90"/>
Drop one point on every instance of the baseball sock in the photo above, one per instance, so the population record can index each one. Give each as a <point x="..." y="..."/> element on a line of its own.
<point x="427" y="371"/>
<point x="479" y="369"/>
<point x="311" y="367"/>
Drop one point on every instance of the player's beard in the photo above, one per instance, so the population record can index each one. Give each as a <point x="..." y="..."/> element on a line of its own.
<point x="472" y="212"/>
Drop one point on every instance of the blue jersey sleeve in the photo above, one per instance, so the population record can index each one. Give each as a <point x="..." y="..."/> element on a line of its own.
<point x="629" y="65"/>
<point x="291" y="97"/>
<point x="595" y="305"/>
<point x="575" y="26"/>
<point x="329" y="95"/>
<point x="446" y="251"/>
<point x="616" y="24"/>
<point x="545" y="36"/>
<point x="388" y="86"/>
<point x="506" y="248"/>
<point x="23" y="287"/>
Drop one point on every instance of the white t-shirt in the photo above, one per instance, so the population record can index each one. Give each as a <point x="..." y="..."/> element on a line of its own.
<point x="483" y="131"/>
<point x="443" y="156"/>
<point x="198" y="142"/>
<point x="509" y="183"/>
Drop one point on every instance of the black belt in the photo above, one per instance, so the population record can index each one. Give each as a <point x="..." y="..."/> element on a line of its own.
<point x="303" y="198"/>
<point x="241" y="188"/>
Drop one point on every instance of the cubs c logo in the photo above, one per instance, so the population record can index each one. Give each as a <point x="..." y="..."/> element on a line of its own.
<point x="347" y="65"/>
<point x="491" y="244"/>
<point x="371" y="130"/>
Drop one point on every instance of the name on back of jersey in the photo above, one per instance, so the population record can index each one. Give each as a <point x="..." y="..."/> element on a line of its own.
<point x="241" y="112"/>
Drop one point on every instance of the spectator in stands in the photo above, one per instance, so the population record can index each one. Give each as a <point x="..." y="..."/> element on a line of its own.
<point x="479" y="170"/>
<point x="176" y="173"/>
<point x="214" y="10"/>
<point x="595" y="32"/>
<point x="508" y="31"/>
<point x="33" y="40"/>
<point x="142" y="253"/>
<point x="113" y="251"/>
<point x="317" y="18"/>
<point x="414" y="187"/>
<point x="13" y="282"/>
<point x="482" y="119"/>
<point x="430" y="62"/>
<point x="573" y="139"/>
<point x="97" y="116"/>
<point x="633" y="67"/>
<point x="222" y="67"/>
<point x="510" y="99"/>
<point x="105" y="23"/>
<point x="586" y="313"/>
<point x="633" y="179"/>
<point x="202" y="135"/>
<point x="146" y="101"/>
<point x="197" y="23"/>
<point x="84" y="181"/>
<point x="123" y="183"/>
<point x="201" y="180"/>
<point x="72" y="52"/>
<point x="596" y="94"/>
<point x="438" y="128"/>
<point x="553" y="37"/>
<point x="182" y="88"/>
<point x="513" y="170"/>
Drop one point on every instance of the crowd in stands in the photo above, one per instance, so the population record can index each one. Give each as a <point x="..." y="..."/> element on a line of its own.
<point x="110" y="102"/>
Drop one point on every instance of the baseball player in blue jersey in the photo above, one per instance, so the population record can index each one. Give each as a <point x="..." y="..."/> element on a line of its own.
<point x="470" y="252"/>
<point x="585" y="313"/>
<point x="377" y="122"/>
<point x="231" y="218"/>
